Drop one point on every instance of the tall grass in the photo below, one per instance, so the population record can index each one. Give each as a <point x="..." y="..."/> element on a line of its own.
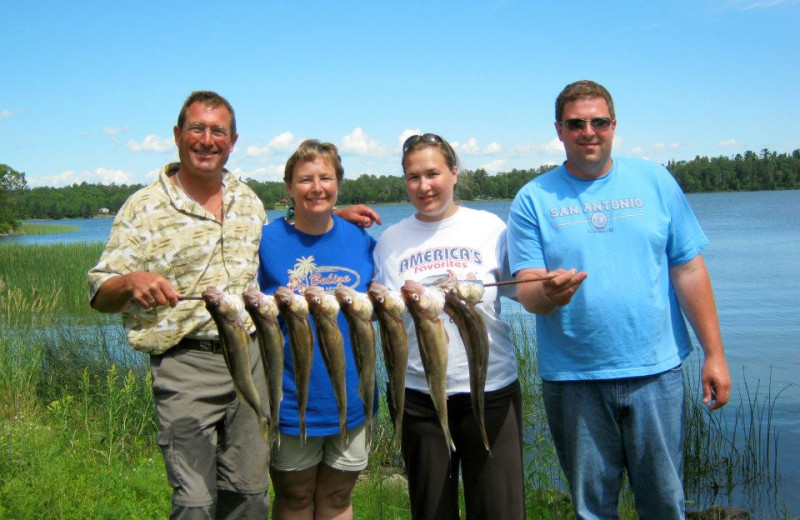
<point x="27" y="228"/>
<point x="76" y="410"/>
<point x="731" y="456"/>
<point x="52" y="271"/>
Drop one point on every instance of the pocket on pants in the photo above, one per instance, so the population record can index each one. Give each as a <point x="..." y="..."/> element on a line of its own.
<point x="164" y="441"/>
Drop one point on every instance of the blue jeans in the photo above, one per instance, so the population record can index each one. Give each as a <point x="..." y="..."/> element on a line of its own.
<point x="603" y="427"/>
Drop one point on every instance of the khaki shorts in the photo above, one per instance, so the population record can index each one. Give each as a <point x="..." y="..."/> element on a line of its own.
<point x="295" y="455"/>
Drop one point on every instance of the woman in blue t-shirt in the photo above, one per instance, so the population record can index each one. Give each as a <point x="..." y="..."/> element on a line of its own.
<point x="316" y="248"/>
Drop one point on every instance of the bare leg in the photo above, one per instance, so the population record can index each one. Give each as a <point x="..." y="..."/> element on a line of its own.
<point x="294" y="493"/>
<point x="332" y="498"/>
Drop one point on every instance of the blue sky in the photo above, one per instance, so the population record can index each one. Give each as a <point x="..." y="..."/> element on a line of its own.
<point x="90" y="90"/>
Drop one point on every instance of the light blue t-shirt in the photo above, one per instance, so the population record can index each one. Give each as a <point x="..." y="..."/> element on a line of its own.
<point x="625" y="229"/>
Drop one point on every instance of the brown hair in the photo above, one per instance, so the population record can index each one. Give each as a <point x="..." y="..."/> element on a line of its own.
<point x="208" y="98"/>
<point x="580" y="90"/>
<point x="310" y="150"/>
<point x="430" y="140"/>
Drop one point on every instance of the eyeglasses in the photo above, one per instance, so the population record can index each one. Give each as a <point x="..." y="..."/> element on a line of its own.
<point x="598" y="123"/>
<point x="428" y="138"/>
<point x="199" y="130"/>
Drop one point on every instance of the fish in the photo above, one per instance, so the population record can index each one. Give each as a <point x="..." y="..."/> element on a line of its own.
<point x="294" y="310"/>
<point x="474" y="337"/>
<point x="264" y="311"/>
<point x="471" y="291"/>
<point x="226" y="312"/>
<point x="325" y="310"/>
<point x="389" y="308"/>
<point x="357" y="309"/>
<point x="425" y="306"/>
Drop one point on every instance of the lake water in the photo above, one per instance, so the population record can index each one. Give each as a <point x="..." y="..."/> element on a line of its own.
<point x="753" y="259"/>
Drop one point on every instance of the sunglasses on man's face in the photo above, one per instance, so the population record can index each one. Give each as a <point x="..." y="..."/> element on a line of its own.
<point x="598" y="123"/>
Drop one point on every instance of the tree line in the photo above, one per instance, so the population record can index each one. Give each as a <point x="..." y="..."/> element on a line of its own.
<point x="750" y="171"/>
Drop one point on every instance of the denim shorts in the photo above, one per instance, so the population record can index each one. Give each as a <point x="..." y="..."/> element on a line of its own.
<point x="604" y="427"/>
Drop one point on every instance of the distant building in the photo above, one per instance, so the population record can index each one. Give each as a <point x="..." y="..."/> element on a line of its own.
<point x="103" y="211"/>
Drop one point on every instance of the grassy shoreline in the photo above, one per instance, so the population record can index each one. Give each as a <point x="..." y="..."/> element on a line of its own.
<point x="78" y="431"/>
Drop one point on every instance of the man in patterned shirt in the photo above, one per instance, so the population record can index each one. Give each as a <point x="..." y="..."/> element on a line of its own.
<point x="196" y="226"/>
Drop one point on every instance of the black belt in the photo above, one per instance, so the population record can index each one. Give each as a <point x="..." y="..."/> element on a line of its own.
<point x="205" y="345"/>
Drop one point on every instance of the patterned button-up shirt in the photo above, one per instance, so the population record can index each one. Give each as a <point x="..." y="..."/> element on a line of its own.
<point x="161" y="230"/>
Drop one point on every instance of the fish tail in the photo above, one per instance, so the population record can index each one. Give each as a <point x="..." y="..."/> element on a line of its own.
<point x="303" y="427"/>
<point x="484" y="436"/>
<point x="398" y="422"/>
<point x="266" y="433"/>
<point x="449" y="440"/>
<point x="368" y="429"/>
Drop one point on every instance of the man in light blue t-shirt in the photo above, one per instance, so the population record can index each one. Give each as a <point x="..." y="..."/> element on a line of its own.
<point x="624" y="246"/>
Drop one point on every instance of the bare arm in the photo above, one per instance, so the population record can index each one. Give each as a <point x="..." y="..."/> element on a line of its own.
<point x="693" y="289"/>
<point x="544" y="297"/>
<point x="359" y="214"/>
<point x="147" y="289"/>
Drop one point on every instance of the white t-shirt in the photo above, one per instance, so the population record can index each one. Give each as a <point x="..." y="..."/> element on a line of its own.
<point x="470" y="245"/>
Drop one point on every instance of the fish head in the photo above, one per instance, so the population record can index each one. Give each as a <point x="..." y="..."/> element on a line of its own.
<point x="290" y="301"/>
<point x="213" y="297"/>
<point x="358" y="303"/>
<point x="317" y="298"/>
<point x="391" y="301"/>
<point x="257" y="301"/>
<point x="425" y="300"/>
<point x="221" y="304"/>
<point x="446" y="283"/>
<point x="471" y="291"/>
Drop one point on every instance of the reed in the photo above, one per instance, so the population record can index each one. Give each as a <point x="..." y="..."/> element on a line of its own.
<point x="27" y="228"/>
<point x="52" y="271"/>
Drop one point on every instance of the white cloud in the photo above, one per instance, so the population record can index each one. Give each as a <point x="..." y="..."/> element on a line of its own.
<point x="748" y="5"/>
<point x="493" y="147"/>
<point x="97" y="176"/>
<point x="64" y="178"/>
<point x="273" y="172"/>
<point x="108" y="176"/>
<point x="468" y="148"/>
<point x="729" y="143"/>
<point x="494" y="166"/>
<point x="660" y="147"/>
<point x="8" y="114"/>
<point x="114" y="130"/>
<point x="152" y="174"/>
<point x="284" y="142"/>
<point x="553" y="147"/>
<point x="636" y="151"/>
<point x="151" y="143"/>
<point x="359" y="143"/>
<point x="471" y="147"/>
<point x="405" y="134"/>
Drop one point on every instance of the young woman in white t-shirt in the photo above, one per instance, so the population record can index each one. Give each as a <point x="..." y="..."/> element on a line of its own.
<point x="445" y="239"/>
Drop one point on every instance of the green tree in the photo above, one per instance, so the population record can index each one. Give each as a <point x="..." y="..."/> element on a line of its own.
<point x="11" y="183"/>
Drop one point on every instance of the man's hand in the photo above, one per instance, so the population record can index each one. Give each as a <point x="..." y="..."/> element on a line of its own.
<point x="149" y="290"/>
<point x="716" y="380"/>
<point x="359" y="214"/>
<point x="545" y="296"/>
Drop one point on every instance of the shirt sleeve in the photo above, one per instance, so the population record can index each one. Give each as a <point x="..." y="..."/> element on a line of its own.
<point x="122" y="254"/>
<point x="523" y="235"/>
